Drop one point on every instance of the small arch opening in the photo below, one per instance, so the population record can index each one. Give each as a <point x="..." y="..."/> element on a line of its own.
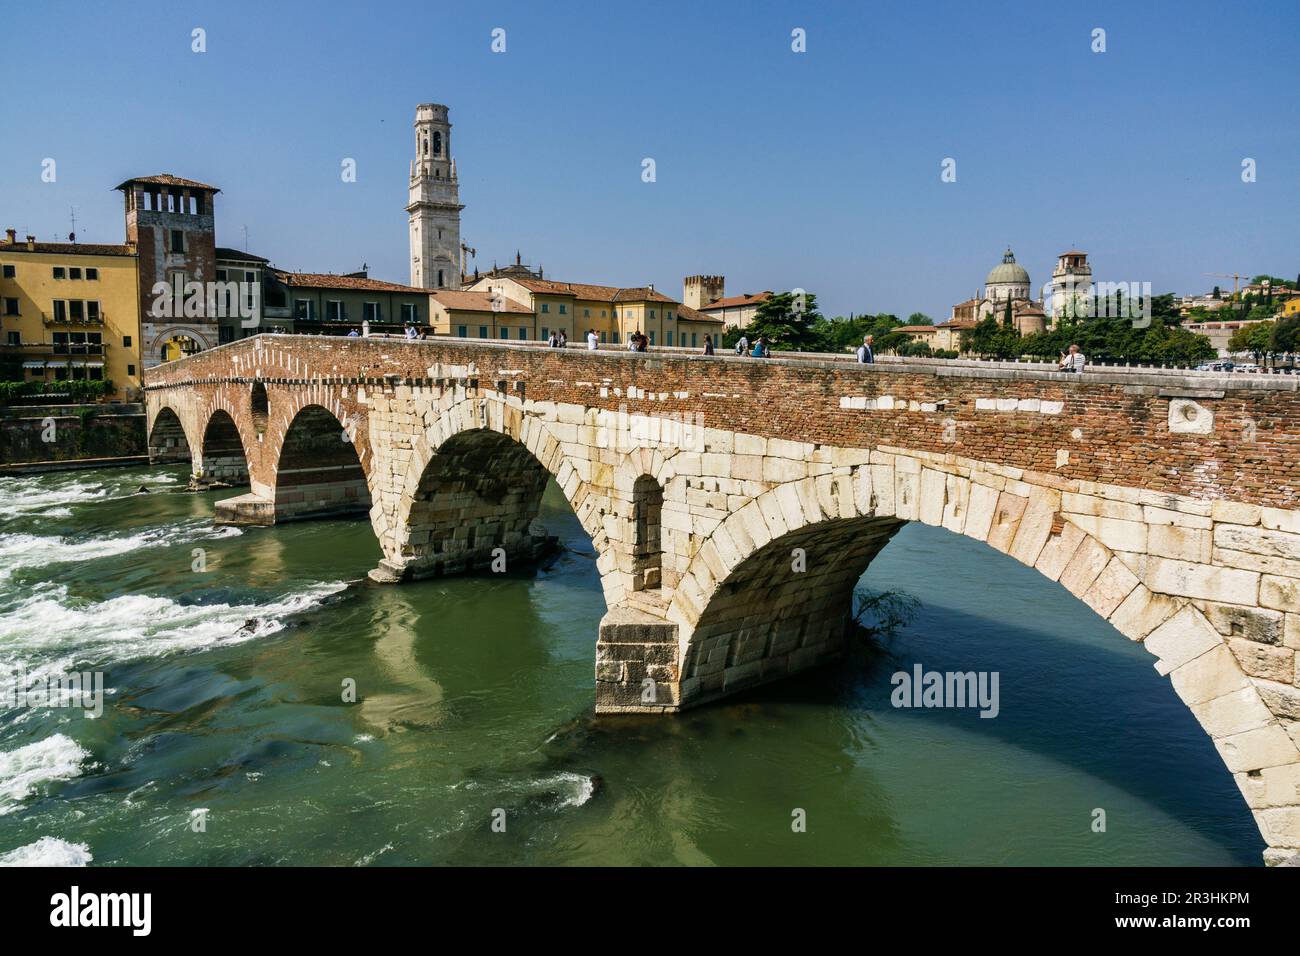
<point x="647" y="555"/>
<point x="259" y="407"/>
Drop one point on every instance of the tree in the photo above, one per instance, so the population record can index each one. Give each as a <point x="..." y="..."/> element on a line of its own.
<point x="919" y="318"/>
<point x="1285" y="338"/>
<point x="1255" y="338"/>
<point x="789" y="322"/>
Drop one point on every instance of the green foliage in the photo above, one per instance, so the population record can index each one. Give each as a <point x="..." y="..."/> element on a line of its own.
<point x="786" y="326"/>
<point x="919" y="318"/>
<point x="1286" y="336"/>
<point x="76" y="390"/>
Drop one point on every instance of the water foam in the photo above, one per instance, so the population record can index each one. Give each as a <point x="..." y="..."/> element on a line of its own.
<point x="38" y="551"/>
<point x="49" y="630"/>
<point x="22" y="771"/>
<point x="53" y="496"/>
<point x="48" y="851"/>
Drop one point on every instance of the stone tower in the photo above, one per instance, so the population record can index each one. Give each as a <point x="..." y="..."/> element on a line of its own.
<point x="1071" y="284"/>
<point x="699" y="291"/>
<point x="170" y="222"/>
<point x="435" y="203"/>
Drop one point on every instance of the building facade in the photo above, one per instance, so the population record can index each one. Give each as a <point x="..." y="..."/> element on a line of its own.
<point x="434" y="207"/>
<point x="70" y="311"/>
<point x="707" y="295"/>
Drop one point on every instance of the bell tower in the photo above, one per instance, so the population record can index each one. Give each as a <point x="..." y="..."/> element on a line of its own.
<point x="434" y="206"/>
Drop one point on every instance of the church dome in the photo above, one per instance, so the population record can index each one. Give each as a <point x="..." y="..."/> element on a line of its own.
<point x="1008" y="273"/>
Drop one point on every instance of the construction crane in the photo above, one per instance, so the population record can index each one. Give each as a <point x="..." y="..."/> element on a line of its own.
<point x="1236" y="278"/>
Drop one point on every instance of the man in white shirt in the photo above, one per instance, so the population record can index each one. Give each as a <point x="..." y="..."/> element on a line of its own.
<point x="866" y="355"/>
<point x="365" y="328"/>
<point x="1073" y="361"/>
<point x="593" y="340"/>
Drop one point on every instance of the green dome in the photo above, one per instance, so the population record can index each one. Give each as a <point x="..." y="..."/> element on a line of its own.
<point x="1008" y="273"/>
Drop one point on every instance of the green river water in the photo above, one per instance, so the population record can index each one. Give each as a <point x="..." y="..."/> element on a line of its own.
<point x="225" y="695"/>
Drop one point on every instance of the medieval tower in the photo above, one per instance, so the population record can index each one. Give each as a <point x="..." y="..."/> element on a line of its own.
<point x="434" y="205"/>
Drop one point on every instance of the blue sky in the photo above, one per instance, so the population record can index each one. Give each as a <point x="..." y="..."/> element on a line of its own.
<point x="777" y="169"/>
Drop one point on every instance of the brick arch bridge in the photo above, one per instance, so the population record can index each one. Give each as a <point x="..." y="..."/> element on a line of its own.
<point x="733" y="503"/>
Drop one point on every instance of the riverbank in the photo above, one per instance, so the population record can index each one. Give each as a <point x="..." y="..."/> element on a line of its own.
<point x="36" y="438"/>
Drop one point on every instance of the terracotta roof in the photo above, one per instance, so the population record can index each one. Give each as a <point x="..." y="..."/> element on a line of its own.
<point x="1074" y="252"/>
<point x="690" y="315"/>
<point x="167" y="179"/>
<point x="477" y="302"/>
<point x="734" y="301"/>
<point x="69" y="248"/>
<point x="238" y="256"/>
<point x="914" y="328"/>
<point x="957" y="324"/>
<point x="318" y="280"/>
<point x="599" y="293"/>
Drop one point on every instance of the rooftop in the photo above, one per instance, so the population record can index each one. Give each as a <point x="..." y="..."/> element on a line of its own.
<point x="735" y="301"/>
<point x="167" y="179"/>
<point x="477" y="302"/>
<point x="320" y="280"/>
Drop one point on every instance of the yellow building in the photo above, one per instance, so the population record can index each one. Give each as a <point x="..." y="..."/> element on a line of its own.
<point x="1291" y="307"/>
<point x="480" y="315"/>
<point x="613" y="313"/>
<point x="70" y="310"/>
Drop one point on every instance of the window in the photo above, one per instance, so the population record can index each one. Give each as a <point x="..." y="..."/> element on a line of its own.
<point x="8" y="272"/>
<point x="652" y="313"/>
<point x="178" y="240"/>
<point x="602" y="336"/>
<point x="652" y="338"/>
<point x="126" y="341"/>
<point x="668" y="339"/>
<point x="410" y="312"/>
<point x="693" y="334"/>
<point x="225" y="334"/>
<point x="92" y="311"/>
<point x="370" y="311"/>
<point x="130" y="370"/>
<point x="437" y="143"/>
<point x="304" y="309"/>
<point x="563" y="309"/>
<point x="439" y="278"/>
<point x="602" y="313"/>
<point x="222" y="275"/>
<point x="11" y="306"/>
<point x="95" y="373"/>
<point x="670" y="316"/>
<point x="546" y="307"/>
<point x="462" y="331"/>
<point x="482" y="331"/>
<point x="523" y="333"/>
<point x="613" y="336"/>
<point x="333" y="310"/>
<point x="60" y="312"/>
<point x="92" y="275"/>
<point x="74" y="273"/>
<point x="505" y="332"/>
<point x="586" y="313"/>
<point x="58" y="272"/>
<point x="546" y="333"/>
<point x="15" y="338"/>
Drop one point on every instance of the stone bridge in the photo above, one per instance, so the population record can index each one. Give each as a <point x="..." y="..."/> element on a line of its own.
<point x="733" y="503"/>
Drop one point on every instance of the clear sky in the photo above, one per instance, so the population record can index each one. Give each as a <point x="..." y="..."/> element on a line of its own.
<point x="777" y="169"/>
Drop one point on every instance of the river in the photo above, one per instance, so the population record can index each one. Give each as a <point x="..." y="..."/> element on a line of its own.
<point x="225" y="738"/>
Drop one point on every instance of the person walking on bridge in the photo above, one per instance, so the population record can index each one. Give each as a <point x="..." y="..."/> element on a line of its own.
<point x="760" y="348"/>
<point x="742" y="344"/>
<point x="708" y="344"/>
<point x="1073" y="361"/>
<point x="593" y="341"/>
<point x="365" y="328"/>
<point x="866" y="355"/>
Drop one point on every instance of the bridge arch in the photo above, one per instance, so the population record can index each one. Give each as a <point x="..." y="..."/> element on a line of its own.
<point x="474" y="483"/>
<point x="168" y="440"/>
<point x="223" y="456"/>
<point x="318" y="472"/>
<point x="770" y="592"/>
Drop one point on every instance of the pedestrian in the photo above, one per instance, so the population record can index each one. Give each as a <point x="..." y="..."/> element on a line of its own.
<point x="410" y="333"/>
<point x="365" y="328"/>
<point x="564" y="340"/>
<point x="352" y="335"/>
<point x="633" y="340"/>
<point x="742" y="344"/>
<point x="644" y="344"/>
<point x="866" y="355"/>
<point x="760" y="348"/>
<point x="553" y="341"/>
<point x="1074" y="361"/>
<point x="593" y="340"/>
<point x="708" y="344"/>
